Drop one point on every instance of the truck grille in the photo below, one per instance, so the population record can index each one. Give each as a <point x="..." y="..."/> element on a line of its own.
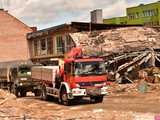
<point x="84" y="84"/>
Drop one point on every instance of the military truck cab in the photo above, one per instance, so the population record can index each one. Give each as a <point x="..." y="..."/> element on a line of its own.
<point x="17" y="80"/>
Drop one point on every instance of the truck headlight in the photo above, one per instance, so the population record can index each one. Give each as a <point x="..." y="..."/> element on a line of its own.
<point x="78" y="86"/>
<point x="23" y="78"/>
<point x="21" y="84"/>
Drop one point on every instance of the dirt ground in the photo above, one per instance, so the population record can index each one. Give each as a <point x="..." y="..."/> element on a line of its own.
<point x="120" y="104"/>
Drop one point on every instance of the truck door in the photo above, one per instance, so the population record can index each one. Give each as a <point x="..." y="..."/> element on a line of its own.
<point x="68" y="72"/>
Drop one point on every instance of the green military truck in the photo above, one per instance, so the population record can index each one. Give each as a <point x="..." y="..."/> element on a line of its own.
<point x="17" y="80"/>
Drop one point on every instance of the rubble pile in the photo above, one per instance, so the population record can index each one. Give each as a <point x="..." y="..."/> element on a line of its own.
<point x="121" y="88"/>
<point x="140" y="86"/>
<point x="6" y="97"/>
<point x="133" y="66"/>
<point x="152" y="75"/>
<point x="2" y="94"/>
<point x="118" y="40"/>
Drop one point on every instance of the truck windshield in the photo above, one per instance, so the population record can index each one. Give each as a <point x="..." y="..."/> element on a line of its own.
<point x="89" y="68"/>
<point x="24" y="72"/>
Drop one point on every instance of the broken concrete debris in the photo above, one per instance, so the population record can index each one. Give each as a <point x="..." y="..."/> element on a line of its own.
<point x="118" y="40"/>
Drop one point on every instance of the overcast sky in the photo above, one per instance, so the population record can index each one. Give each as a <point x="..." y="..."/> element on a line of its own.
<point x="47" y="13"/>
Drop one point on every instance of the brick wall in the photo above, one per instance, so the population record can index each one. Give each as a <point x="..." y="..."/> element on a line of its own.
<point x="13" y="43"/>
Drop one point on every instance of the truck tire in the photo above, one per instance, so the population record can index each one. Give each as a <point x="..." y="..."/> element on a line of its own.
<point x="63" y="97"/>
<point x="37" y="93"/>
<point x="23" y="93"/>
<point x="16" y="92"/>
<point x="78" y="98"/>
<point x="96" y="99"/>
<point x="44" y="95"/>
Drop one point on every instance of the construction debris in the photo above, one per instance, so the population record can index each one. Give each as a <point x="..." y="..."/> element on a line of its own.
<point x="130" y="68"/>
<point x="140" y="86"/>
<point x="5" y="96"/>
<point x="118" y="40"/>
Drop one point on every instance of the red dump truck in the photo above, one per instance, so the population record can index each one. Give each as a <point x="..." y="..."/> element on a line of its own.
<point x="76" y="77"/>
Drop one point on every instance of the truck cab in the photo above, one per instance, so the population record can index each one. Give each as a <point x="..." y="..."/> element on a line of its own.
<point x="21" y="80"/>
<point x="86" y="77"/>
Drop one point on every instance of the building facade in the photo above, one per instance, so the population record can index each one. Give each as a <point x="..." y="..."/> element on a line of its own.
<point x="148" y="14"/>
<point x="116" y="21"/>
<point x="13" y="42"/>
<point x="50" y="43"/>
<point x="144" y="14"/>
<point x="96" y="16"/>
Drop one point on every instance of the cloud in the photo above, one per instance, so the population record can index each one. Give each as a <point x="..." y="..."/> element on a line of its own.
<point x="44" y="13"/>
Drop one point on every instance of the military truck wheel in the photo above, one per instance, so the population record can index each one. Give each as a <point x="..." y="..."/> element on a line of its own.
<point x="16" y="92"/>
<point x="43" y="92"/>
<point x="96" y="99"/>
<point x="63" y="97"/>
<point x="23" y="93"/>
<point x="37" y="93"/>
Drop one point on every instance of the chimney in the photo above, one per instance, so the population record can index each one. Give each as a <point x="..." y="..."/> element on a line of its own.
<point x="1" y="9"/>
<point x="96" y="16"/>
<point x="34" y="29"/>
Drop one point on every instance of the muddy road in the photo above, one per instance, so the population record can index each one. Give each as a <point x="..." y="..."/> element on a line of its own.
<point x="121" y="106"/>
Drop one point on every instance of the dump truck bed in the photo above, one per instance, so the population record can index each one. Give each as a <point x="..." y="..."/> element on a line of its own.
<point x="44" y="73"/>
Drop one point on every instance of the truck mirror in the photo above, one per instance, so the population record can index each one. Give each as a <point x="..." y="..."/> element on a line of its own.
<point x="65" y="68"/>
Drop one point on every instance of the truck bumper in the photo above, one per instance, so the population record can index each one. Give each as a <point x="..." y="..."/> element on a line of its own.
<point x="89" y="92"/>
<point x="28" y="86"/>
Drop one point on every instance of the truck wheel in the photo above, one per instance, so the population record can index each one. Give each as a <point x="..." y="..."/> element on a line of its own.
<point x="97" y="99"/>
<point x="23" y="93"/>
<point x="44" y="93"/>
<point x="78" y="98"/>
<point x="37" y="93"/>
<point x="64" y="98"/>
<point x="16" y="92"/>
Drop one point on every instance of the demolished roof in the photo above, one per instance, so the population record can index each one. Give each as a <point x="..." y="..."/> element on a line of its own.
<point x="118" y="40"/>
